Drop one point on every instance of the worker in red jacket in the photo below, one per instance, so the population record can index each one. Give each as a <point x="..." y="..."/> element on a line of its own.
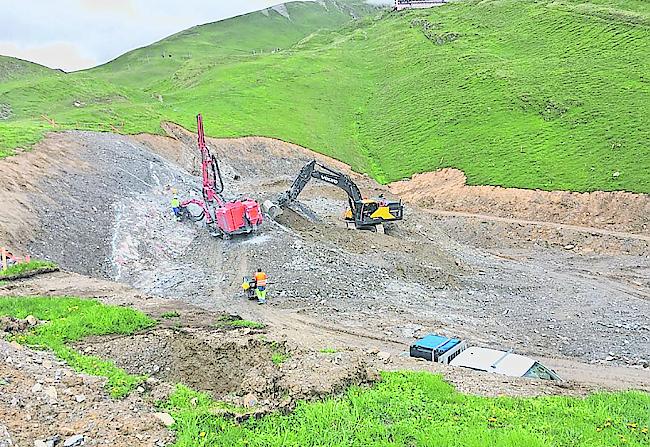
<point x="260" y="286"/>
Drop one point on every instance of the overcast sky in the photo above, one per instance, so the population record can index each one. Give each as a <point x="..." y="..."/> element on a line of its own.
<point x="76" y="34"/>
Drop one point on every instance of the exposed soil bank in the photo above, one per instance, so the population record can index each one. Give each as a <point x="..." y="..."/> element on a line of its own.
<point x="447" y="190"/>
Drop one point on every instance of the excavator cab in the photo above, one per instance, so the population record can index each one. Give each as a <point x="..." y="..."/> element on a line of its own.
<point x="371" y="214"/>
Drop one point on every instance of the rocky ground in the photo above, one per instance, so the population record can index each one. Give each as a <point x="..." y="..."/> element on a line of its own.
<point x="495" y="283"/>
<point x="42" y="400"/>
<point x="98" y="204"/>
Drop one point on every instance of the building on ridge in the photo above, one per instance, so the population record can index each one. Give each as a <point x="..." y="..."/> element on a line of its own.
<point x="418" y="4"/>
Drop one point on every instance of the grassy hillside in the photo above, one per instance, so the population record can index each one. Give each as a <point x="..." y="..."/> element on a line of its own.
<point x="534" y="94"/>
<point x="420" y="409"/>
<point x="12" y="68"/>
<point x="238" y="39"/>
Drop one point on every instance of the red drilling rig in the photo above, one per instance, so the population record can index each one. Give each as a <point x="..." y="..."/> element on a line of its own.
<point x="224" y="218"/>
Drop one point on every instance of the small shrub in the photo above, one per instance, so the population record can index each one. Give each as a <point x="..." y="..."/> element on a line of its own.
<point x="171" y="314"/>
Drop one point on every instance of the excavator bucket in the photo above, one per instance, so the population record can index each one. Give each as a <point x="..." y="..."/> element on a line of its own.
<point x="271" y="209"/>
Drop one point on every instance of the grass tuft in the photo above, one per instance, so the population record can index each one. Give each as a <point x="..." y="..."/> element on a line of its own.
<point x="18" y="270"/>
<point x="171" y="314"/>
<point x="71" y="319"/>
<point x="278" y="358"/>
<point x="245" y="324"/>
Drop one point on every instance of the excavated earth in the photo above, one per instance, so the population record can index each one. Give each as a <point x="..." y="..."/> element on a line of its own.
<point x="542" y="283"/>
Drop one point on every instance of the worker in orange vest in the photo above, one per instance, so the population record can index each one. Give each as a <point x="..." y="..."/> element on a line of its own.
<point x="260" y="286"/>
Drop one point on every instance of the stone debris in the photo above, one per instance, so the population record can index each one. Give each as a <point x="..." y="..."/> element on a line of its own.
<point x="5" y="438"/>
<point x="451" y="273"/>
<point x="165" y="418"/>
<point x="384" y="356"/>
<point x="31" y="320"/>
<point x="45" y="407"/>
<point x="74" y="441"/>
<point x="250" y="400"/>
<point x="51" y="392"/>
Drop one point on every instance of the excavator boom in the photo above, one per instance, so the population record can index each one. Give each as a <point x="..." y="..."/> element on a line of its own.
<point x="320" y="172"/>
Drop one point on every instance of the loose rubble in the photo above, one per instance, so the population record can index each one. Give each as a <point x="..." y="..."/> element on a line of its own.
<point x="39" y="406"/>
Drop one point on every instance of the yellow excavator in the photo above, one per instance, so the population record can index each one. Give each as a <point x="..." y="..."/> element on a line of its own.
<point x="363" y="214"/>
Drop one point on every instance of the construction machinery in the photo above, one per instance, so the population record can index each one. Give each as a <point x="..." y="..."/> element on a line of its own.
<point x="224" y="218"/>
<point x="248" y="286"/>
<point x="362" y="214"/>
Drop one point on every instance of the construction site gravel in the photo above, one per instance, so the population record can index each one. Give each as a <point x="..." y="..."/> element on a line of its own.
<point x="576" y="297"/>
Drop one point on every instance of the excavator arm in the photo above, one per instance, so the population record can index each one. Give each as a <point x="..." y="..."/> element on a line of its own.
<point x="315" y="170"/>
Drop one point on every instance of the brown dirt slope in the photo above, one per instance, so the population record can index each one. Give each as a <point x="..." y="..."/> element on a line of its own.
<point x="447" y="190"/>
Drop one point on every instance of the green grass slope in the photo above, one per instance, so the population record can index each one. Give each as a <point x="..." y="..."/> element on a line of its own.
<point x="12" y="68"/>
<point x="127" y="94"/>
<point x="238" y="39"/>
<point x="420" y="409"/>
<point x="533" y="94"/>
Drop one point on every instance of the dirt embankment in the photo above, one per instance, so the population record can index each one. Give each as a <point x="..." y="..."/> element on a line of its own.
<point x="22" y="177"/>
<point x="447" y="190"/>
